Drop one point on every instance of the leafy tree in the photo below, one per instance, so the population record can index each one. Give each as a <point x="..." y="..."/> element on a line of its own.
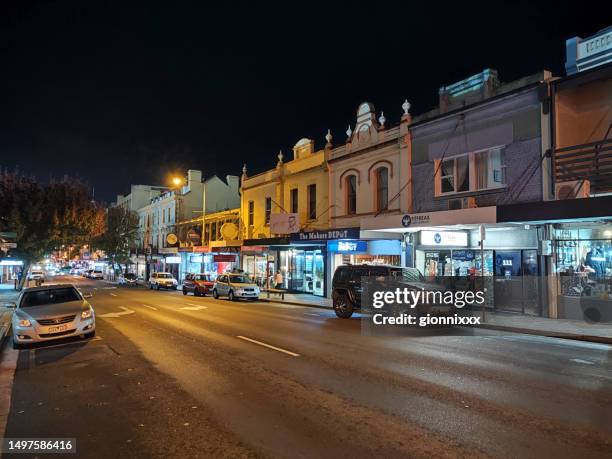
<point x="46" y="215"/>
<point x="120" y="234"/>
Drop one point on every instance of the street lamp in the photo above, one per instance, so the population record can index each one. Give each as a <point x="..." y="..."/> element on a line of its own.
<point x="177" y="181"/>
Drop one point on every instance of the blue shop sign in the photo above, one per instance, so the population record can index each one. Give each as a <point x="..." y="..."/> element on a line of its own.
<point x="340" y="246"/>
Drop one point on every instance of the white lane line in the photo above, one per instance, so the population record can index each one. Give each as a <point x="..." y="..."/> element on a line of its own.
<point x="199" y="305"/>
<point x="150" y="307"/>
<point x="126" y="311"/>
<point x="586" y="362"/>
<point x="195" y="307"/>
<point x="269" y="346"/>
<point x="112" y="294"/>
<point x="312" y="314"/>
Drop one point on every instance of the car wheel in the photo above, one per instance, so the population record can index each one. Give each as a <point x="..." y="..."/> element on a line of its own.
<point x="215" y="294"/>
<point x="89" y="335"/>
<point x="230" y="296"/>
<point x="342" y="305"/>
<point x="157" y="287"/>
<point x="184" y="291"/>
<point x="150" y="286"/>
<point x="196" y="292"/>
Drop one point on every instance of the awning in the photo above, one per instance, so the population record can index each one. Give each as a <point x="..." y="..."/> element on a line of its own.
<point x="565" y="210"/>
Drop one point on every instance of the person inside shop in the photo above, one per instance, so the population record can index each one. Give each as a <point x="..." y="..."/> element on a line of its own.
<point x="278" y="280"/>
<point x="596" y="260"/>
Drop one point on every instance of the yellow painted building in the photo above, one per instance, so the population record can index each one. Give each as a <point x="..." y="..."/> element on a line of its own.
<point x="297" y="186"/>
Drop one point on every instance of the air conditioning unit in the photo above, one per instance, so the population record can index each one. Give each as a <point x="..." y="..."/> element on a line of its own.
<point x="462" y="203"/>
<point x="572" y="190"/>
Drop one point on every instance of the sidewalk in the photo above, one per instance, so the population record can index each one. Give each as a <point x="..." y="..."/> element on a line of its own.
<point x="541" y="326"/>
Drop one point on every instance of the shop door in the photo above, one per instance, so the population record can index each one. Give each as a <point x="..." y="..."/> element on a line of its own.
<point x="517" y="281"/>
<point x="508" y="290"/>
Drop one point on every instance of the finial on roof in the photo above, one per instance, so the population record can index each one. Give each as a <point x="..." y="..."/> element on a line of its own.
<point x="280" y="156"/>
<point x="382" y="119"/>
<point x="349" y="132"/>
<point x="244" y="169"/>
<point x="328" y="136"/>
<point x="406" y="106"/>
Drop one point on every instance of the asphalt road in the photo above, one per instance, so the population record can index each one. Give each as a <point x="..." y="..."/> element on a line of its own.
<point x="176" y="376"/>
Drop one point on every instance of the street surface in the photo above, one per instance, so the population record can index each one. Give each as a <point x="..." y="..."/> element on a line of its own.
<point x="180" y="376"/>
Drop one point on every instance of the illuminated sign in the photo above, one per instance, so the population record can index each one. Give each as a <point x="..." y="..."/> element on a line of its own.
<point x="347" y="246"/>
<point x="442" y="238"/>
<point x="173" y="260"/>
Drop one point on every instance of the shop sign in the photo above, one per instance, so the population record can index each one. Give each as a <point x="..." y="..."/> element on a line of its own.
<point x="171" y="239"/>
<point x="347" y="246"/>
<point x="196" y="259"/>
<point x="253" y="248"/>
<point x="224" y="258"/>
<point x="443" y="238"/>
<point x="463" y="255"/>
<point x="326" y="235"/>
<point x="201" y="248"/>
<point x="173" y="260"/>
<point x="168" y="250"/>
<point x="415" y="220"/>
<point x="11" y="262"/>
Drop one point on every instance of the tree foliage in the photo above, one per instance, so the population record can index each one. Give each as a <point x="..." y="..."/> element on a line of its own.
<point x="45" y="216"/>
<point x="120" y="235"/>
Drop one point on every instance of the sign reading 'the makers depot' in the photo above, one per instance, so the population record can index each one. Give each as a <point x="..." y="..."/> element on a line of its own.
<point x="326" y="235"/>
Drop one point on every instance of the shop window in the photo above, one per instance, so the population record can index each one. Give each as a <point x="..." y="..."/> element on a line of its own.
<point x="312" y="202"/>
<point x="294" y="200"/>
<point x="382" y="188"/>
<point x="251" y="213"/>
<point x="351" y="195"/>
<point x="268" y="210"/>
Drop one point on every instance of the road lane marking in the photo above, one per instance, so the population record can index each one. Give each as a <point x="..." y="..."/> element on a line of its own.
<point x="193" y="307"/>
<point x="312" y="314"/>
<point x="126" y="311"/>
<point x="269" y="346"/>
<point x="150" y="307"/>
<point x="112" y="294"/>
<point x="586" y="362"/>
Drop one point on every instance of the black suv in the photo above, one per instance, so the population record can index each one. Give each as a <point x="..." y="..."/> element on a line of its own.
<point x="347" y="288"/>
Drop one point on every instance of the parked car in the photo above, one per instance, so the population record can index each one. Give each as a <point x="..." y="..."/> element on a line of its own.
<point x="199" y="284"/>
<point x="37" y="274"/>
<point x="87" y="273"/>
<point x="162" y="280"/>
<point x="347" y="287"/>
<point x="235" y="286"/>
<point x="128" y="279"/>
<point x="51" y="312"/>
<point x="96" y="274"/>
<point x="64" y="270"/>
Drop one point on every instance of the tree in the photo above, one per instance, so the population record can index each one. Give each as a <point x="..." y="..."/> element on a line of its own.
<point x="120" y="234"/>
<point x="46" y="215"/>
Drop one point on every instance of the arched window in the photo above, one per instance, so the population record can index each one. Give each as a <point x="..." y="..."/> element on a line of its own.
<point x="351" y="194"/>
<point x="382" y="188"/>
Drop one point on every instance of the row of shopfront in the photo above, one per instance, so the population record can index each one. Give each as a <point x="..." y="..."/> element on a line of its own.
<point x="545" y="259"/>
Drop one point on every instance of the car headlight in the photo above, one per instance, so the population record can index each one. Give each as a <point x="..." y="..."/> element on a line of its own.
<point x="25" y="323"/>
<point x="86" y="314"/>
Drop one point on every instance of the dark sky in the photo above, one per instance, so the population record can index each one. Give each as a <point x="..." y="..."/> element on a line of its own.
<point x="121" y="94"/>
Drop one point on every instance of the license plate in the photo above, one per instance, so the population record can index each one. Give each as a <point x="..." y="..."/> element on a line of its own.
<point x="59" y="328"/>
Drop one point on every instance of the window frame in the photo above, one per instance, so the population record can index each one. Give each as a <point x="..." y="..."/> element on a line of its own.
<point x="251" y="213"/>
<point x="350" y="197"/>
<point x="312" y="201"/>
<point x="294" y="195"/>
<point x="377" y="194"/>
<point x="268" y="211"/>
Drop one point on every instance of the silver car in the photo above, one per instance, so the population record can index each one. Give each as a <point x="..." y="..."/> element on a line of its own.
<point x="51" y="312"/>
<point x="235" y="286"/>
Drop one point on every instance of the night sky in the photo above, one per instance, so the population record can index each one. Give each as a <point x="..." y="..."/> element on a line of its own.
<point x="119" y="94"/>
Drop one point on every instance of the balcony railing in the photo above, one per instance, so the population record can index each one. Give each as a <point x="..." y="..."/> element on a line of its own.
<point x="589" y="161"/>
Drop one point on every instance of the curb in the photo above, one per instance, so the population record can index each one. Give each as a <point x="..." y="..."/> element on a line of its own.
<point x="548" y="334"/>
<point x="295" y="303"/>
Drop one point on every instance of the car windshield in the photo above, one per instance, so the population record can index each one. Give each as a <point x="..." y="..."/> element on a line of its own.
<point x="49" y="297"/>
<point x="202" y="277"/>
<point x="408" y="275"/>
<point x="130" y="276"/>
<point x="239" y="280"/>
<point x="164" y="275"/>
